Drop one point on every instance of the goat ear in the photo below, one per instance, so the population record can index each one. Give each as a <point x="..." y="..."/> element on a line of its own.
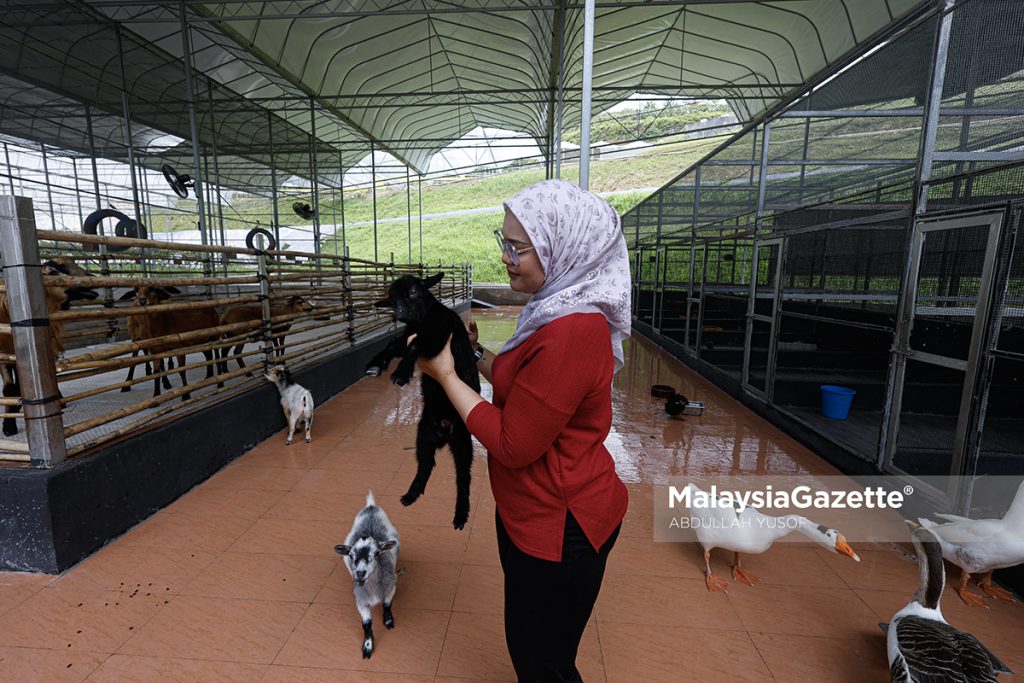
<point x="162" y="294"/>
<point x="383" y="303"/>
<point x="130" y="294"/>
<point x="342" y="550"/>
<point x="171" y="289"/>
<point x="386" y="545"/>
<point x="433" y="280"/>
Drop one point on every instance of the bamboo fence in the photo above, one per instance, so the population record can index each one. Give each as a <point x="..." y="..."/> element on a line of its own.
<point x="99" y="348"/>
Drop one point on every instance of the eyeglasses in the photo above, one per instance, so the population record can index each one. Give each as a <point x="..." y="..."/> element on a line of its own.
<point x="506" y="246"/>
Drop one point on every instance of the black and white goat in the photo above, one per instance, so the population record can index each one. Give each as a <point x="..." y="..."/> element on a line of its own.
<point x="370" y="553"/>
<point x="440" y="424"/>
<point x="295" y="399"/>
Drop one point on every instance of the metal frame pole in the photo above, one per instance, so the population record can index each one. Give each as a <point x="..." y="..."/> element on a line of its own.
<point x="216" y="175"/>
<point x="316" y="187"/>
<point x="186" y="46"/>
<point x="693" y="257"/>
<point x="408" y="206"/>
<point x="273" y="179"/>
<point x="108" y="293"/>
<point x="30" y="329"/>
<point x="49" y="193"/>
<point x="588" y="77"/>
<point x="10" y="170"/>
<point x="78" y="193"/>
<point x="373" y="190"/>
<point x="561" y="94"/>
<point x="341" y="189"/>
<point x="128" y="140"/>
<point x="932" y="110"/>
<point x="420" y="189"/>
<point x="334" y="212"/>
<point x="261" y="265"/>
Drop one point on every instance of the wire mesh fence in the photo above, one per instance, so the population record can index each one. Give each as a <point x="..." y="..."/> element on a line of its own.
<point x="841" y="189"/>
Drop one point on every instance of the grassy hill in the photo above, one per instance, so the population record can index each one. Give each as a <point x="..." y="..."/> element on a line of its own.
<point x="461" y="239"/>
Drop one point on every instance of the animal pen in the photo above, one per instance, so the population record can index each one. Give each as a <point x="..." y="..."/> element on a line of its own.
<point x="83" y="400"/>
<point x="865" y="233"/>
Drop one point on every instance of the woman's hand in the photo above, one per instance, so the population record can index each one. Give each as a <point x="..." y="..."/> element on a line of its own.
<point x="440" y="366"/>
<point x="474" y="333"/>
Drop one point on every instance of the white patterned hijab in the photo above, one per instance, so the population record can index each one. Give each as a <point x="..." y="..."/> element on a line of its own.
<point x="579" y="241"/>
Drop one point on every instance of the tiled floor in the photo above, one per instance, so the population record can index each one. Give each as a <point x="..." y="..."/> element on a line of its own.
<point x="237" y="581"/>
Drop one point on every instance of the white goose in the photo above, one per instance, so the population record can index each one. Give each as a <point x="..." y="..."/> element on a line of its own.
<point x="749" y="531"/>
<point x="922" y="646"/>
<point x="980" y="546"/>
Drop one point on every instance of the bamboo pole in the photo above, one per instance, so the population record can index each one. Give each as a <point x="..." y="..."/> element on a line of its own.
<point x="95" y="281"/>
<point x="189" y="408"/>
<point x="15" y="446"/>
<point x="123" y="311"/>
<point x="110" y="241"/>
<point x="88" y="359"/>
<point x="169" y="395"/>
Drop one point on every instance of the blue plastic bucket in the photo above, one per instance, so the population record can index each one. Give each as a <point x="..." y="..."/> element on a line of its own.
<point x="835" y="401"/>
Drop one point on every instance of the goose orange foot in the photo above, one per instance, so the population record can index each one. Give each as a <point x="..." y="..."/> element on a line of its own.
<point x="969" y="598"/>
<point x="743" y="576"/>
<point x="716" y="584"/>
<point x="994" y="591"/>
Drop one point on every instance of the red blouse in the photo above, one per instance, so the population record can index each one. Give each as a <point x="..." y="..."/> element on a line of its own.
<point x="545" y="436"/>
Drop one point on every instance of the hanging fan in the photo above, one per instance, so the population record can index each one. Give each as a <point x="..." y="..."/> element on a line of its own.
<point x="303" y="210"/>
<point x="178" y="182"/>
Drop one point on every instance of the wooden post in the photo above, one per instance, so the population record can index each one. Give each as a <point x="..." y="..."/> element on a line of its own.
<point x="30" y="327"/>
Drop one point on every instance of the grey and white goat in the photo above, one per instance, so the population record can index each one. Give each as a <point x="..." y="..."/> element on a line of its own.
<point x="370" y="552"/>
<point x="295" y="399"/>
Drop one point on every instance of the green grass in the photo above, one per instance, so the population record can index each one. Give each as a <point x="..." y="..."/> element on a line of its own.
<point x="462" y="239"/>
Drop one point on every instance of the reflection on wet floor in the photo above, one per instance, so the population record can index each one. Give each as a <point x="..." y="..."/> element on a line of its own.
<point x="239" y="580"/>
<point x="649" y="446"/>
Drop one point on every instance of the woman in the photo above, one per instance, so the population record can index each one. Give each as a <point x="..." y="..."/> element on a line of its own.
<point x="559" y="501"/>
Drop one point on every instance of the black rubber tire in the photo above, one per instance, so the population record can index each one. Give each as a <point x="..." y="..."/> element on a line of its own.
<point x="125" y="227"/>
<point x="250" y="239"/>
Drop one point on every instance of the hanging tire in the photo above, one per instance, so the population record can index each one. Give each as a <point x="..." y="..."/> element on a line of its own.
<point x="250" y="239"/>
<point x="125" y="227"/>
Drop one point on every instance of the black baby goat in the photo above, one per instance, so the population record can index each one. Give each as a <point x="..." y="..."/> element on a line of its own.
<point x="440" y="424"/>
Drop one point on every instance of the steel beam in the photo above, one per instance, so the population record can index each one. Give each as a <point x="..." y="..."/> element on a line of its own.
<point x="588" y="81"/>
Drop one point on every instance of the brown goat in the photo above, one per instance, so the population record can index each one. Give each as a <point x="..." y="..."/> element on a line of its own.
<point x="57" y="299"/>
<point x="147" y="326"/>
<point x="248" y="312"/>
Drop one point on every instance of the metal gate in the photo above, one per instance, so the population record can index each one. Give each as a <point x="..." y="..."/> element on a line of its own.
<point x="940" y="331"/>
<point x="762" y="313"/>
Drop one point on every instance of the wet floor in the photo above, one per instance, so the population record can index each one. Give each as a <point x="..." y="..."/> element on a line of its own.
<point x="237" y="579"/>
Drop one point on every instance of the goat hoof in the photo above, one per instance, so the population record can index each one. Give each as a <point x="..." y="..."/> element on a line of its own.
<point x="389" y="622"/>
<point x="459" y="522"/>
<point x="10" y="430"/>
<point x="309" y="439"/>
<point x="125" y="389"/>
<point x="409" y="498"/>
<point x="373" y="371"/>
<point x="288" y="442"/>
<point x="399" y="381"/>
<point x="367" y="649"/>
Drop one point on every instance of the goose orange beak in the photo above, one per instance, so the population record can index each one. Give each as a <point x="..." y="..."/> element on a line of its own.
<point x="844" y="548"/>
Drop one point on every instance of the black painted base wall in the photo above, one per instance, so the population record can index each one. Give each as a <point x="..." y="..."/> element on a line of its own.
<point x="52" y="519"/>
<point x="842" y="459"/>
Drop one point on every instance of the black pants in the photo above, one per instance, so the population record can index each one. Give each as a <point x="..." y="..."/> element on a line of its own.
<point x="548" y="604"/>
